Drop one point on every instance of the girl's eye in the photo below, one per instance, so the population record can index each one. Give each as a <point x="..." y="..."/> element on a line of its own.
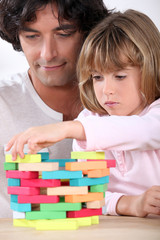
<point x="120" y="77"/>
<point x="97" y="77"/>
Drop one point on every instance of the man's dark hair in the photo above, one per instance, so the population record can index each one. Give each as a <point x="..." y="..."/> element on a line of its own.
<point x="84" y="14"/>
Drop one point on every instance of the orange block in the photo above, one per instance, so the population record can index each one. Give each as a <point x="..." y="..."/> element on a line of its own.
<point x="89" y="165"/>
<point x="92" y="196"/>
<point x="97" y="173"/>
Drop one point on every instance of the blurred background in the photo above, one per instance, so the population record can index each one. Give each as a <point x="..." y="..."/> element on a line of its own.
<point x="12" y="61"/>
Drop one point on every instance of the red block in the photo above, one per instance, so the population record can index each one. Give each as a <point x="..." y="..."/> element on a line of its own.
<point x="85" y="212"/>
<point x="38" y="199"/>
<point x="40" y="183"/>
<point x="21" y="174"/>
<point x="24" y="190"/>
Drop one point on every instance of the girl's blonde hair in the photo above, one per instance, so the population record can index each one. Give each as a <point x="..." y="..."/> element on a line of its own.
<point x="131" y="36"/>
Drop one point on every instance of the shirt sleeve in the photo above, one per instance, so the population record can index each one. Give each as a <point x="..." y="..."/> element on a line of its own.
<point x="137" y="132"/>
<point x="111" y="200"/>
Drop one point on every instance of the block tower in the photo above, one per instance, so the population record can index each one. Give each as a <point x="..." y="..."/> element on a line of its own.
<point x="57" y="194"/>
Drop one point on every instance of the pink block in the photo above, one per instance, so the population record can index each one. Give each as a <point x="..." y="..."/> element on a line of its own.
<point x="40" y="183"/>
<point x="110" y="162"/>
<point x="21" y="174"/>
<point x="85" y="212"/>
<point x="24" y="190"/>
<point x="38" y="199"/>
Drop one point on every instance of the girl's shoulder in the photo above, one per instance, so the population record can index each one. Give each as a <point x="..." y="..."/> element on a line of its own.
<point x="85" y="113"/>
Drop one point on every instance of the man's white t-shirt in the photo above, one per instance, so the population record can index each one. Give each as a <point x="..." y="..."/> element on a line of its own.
<point x="21" y="108"/>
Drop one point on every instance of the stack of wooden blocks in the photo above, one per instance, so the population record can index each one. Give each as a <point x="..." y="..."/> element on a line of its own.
<point x="59" y="194"/>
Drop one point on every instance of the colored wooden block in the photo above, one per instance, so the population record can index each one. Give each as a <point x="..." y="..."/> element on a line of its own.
<point x="43" y="166"/>
<point x="20" y="207"/>
<point x="61" y="174"/>
<point x="99" y="188"/>
<point x="40" y="183"/>
<point x="44" y="155"/>
<point x="38" y="199"/>
<point x="21" y="174"/>
<point x="67" y="190"/>
<point x="19" y="215"/>
<point x="75" y="166"/>
<point x="97" y="173"/>
<point x="24" y="190"/>
<point x="13" y="182"/>
<point x="10" y="166"/>
<point x="61" y="206"/>
<point x="29" y="158"/>
<point x="88" y="155"/>
<point x="96" y="204"/>
<point x="24" y="223"/>
<point x="110" y="162"/>
<point x="95" y="219"/>
<point x="84" y="213"/>
<point x="63" y="224"/>
<point x="14" y="198"/>
<point x="34" y="215"/>
<point x="84" y="198"/>
<point x="61" y="162"/>
<point x="89" y="181"/>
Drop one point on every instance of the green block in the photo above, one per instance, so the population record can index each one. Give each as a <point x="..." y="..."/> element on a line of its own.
<point x="28" y="158"/>
<point x="60" y="206"/>
<point x="99" y="188"/>
<point x="10" y="166"/>
<point x="88" y="155"/>
<point x="34" y="215"/>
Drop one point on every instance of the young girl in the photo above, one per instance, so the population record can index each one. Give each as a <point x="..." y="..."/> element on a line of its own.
<point x="119" y="72"/>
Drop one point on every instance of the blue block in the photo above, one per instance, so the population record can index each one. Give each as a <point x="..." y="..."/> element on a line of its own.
<point x="14" y="182"/>
<point x="21" y="207"/>
<point x="14" y="198"/>
<point x="44" y="155"/>
<point x="61" y="174"/>
<point x="89" y="181"/>
<point x="61" y="162"/>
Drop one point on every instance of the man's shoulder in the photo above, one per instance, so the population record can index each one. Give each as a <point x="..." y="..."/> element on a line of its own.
<point x="13" y="80"/>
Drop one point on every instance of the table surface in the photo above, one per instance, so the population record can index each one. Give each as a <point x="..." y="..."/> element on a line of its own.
<point x="109" y="228"/>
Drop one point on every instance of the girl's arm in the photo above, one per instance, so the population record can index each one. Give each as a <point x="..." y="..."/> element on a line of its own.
<point x="44" y="136"/>
<point x="140" y="205"/>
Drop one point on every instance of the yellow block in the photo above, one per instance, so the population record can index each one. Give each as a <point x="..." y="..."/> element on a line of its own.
<point x="95" y="219"/>
<point x="95" y="204"/>
<point x="67" y="190"/>
<point x="29" y="158"/>
<point x="58" y="224"/>
<point x="41" y="166"/>
<point x="24" y="223"/>
<point x="87" y="155"/>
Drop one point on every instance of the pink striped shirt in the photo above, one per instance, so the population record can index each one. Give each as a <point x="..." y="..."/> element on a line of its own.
<point x="134" y="141"/>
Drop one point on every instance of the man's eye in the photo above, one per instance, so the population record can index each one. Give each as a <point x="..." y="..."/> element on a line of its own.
<point x="32" y="36"/>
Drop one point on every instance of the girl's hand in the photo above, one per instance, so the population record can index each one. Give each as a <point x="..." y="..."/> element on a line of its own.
<point x="149" y="202"/>
<point x="141" y="205"/>
<point x="44" y="136"/>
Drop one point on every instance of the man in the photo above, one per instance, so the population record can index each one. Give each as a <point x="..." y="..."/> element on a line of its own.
<point x="50" y="33"/>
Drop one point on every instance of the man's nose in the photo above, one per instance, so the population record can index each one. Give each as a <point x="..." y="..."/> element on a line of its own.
<point x="49" y="49"/>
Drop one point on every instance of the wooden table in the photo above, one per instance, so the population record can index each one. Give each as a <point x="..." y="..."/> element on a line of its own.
<point x="110" y="228"/>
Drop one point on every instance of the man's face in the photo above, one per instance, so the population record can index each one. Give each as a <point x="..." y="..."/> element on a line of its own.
<point x="50" y="51"/>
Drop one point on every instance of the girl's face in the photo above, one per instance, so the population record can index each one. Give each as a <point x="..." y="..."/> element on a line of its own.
<point x="119" y="92"/>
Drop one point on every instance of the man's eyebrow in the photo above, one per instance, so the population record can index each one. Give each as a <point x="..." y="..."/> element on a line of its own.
<point x="59" y="28"/>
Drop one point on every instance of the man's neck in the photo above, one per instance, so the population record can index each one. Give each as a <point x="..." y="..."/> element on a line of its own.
<point x="64" y="99"/>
